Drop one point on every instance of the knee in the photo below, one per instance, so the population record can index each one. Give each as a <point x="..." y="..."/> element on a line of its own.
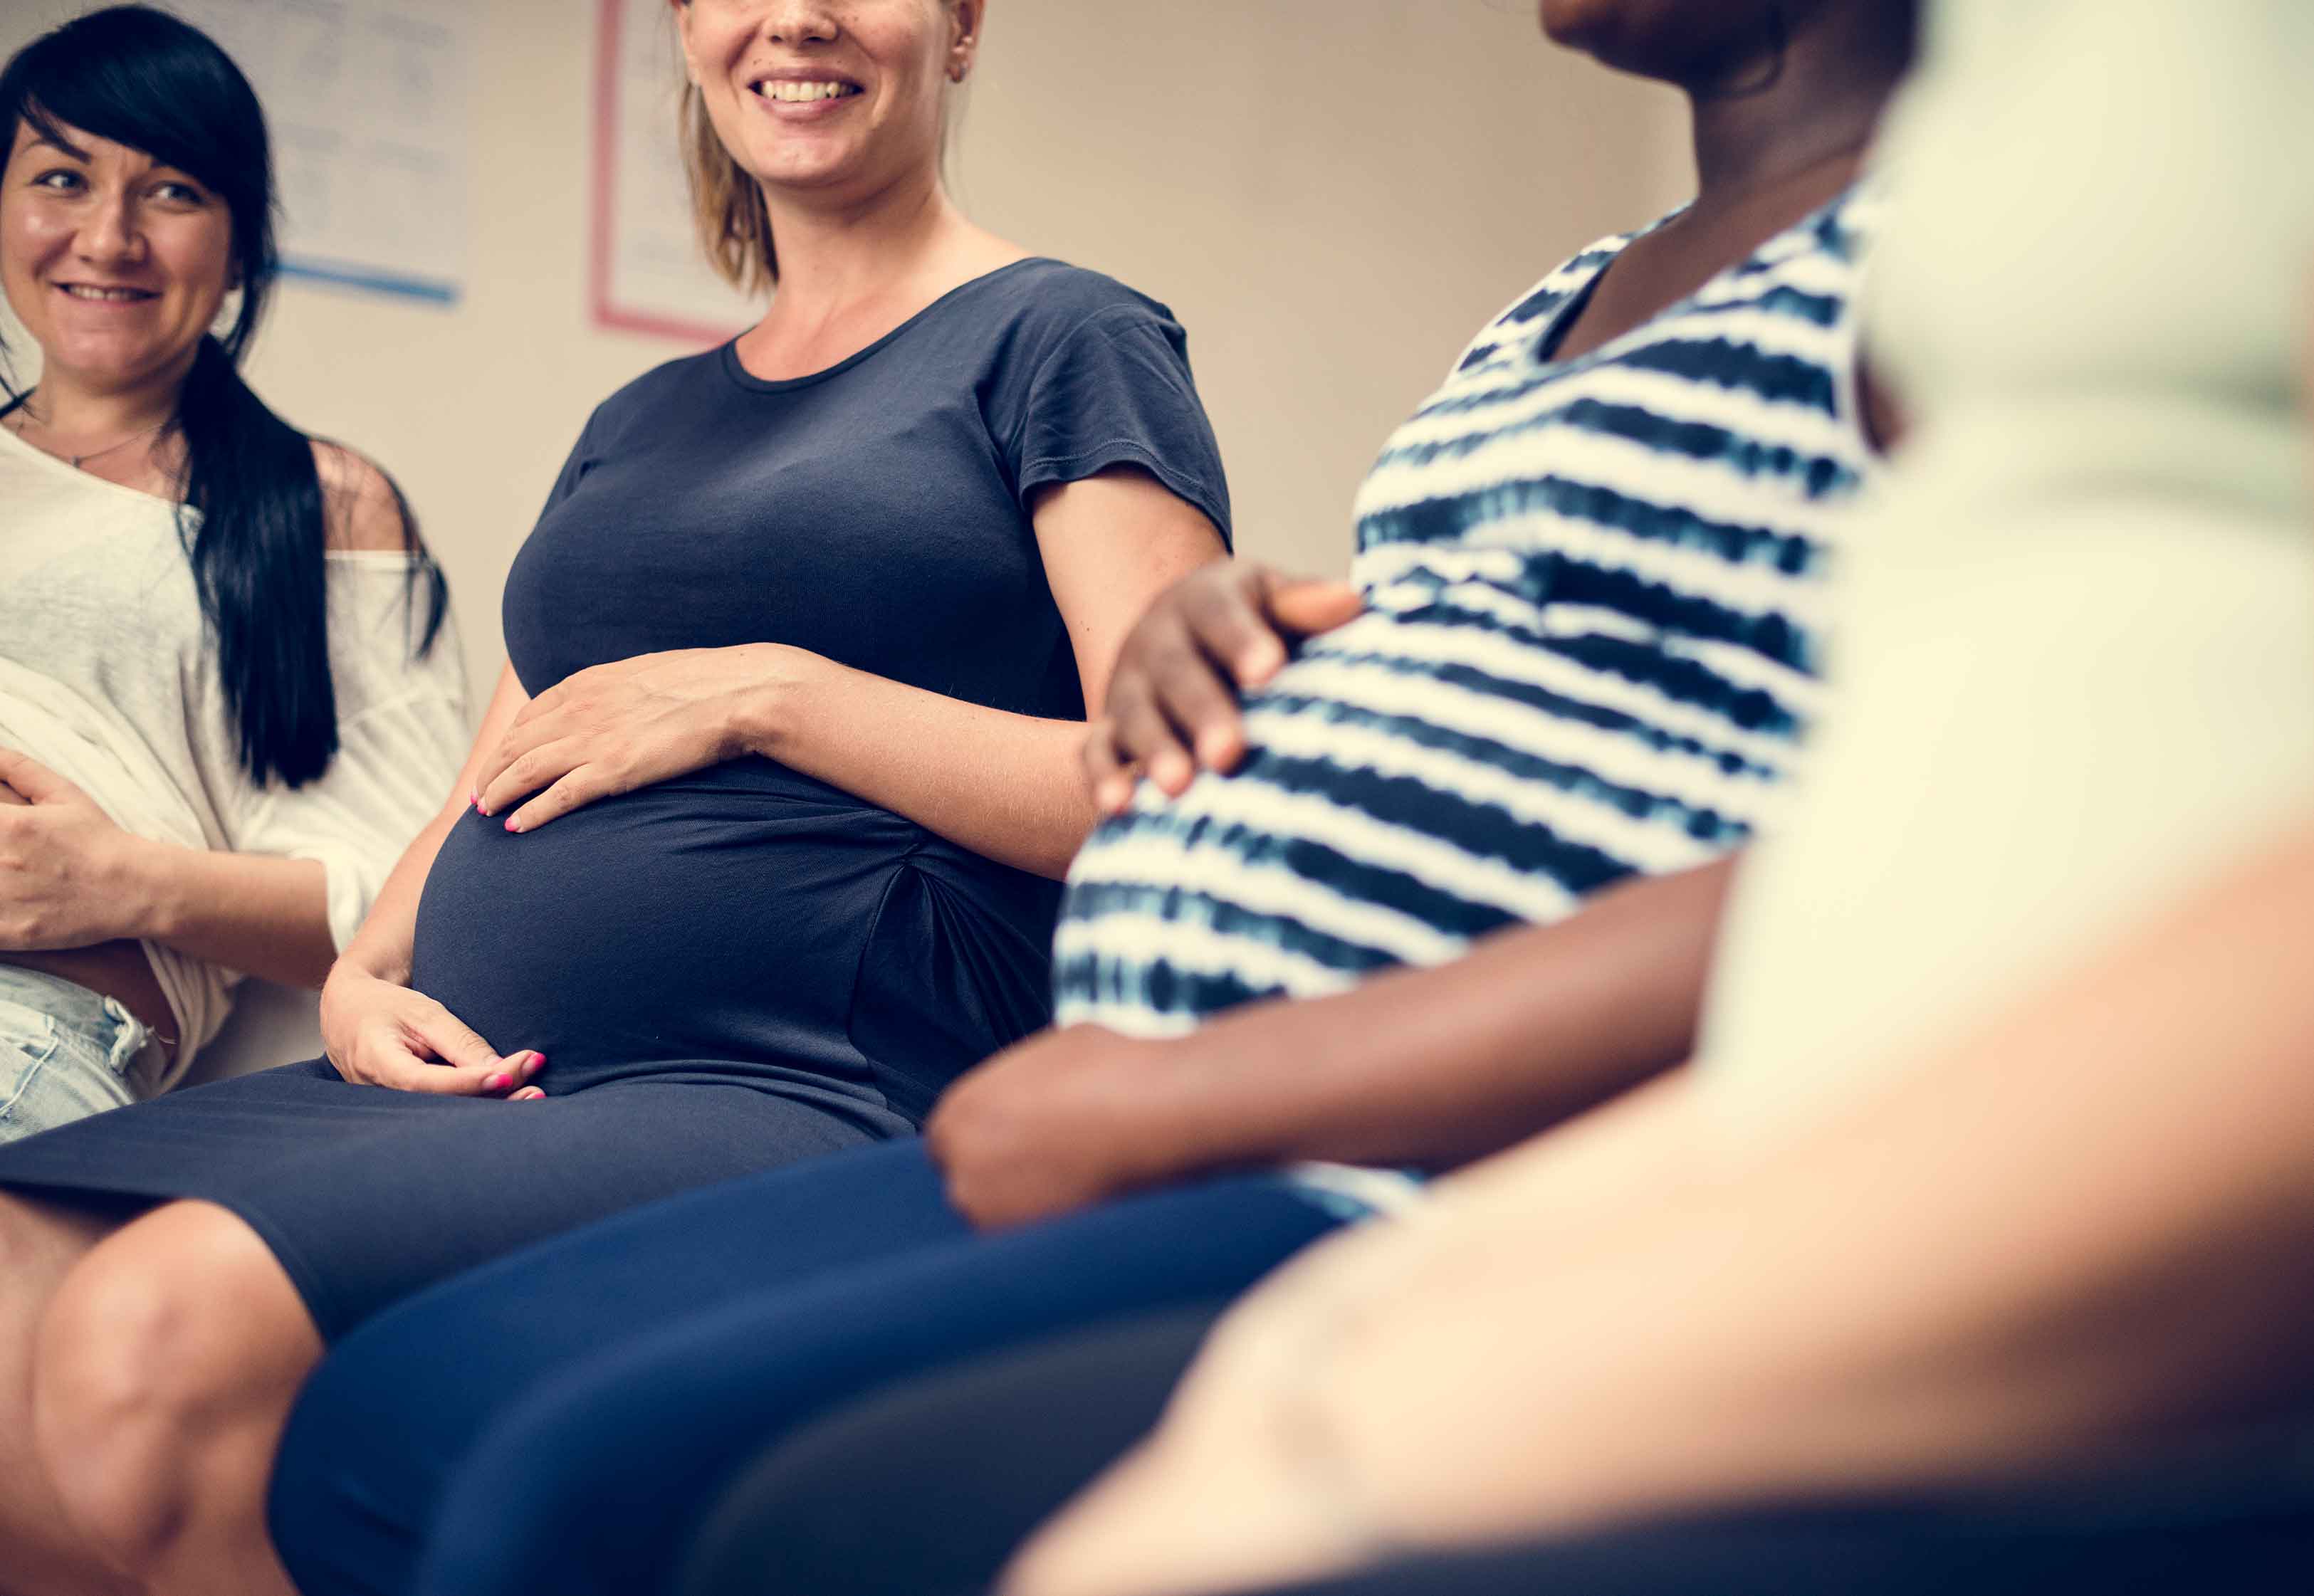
<point x="147" y="1382"/>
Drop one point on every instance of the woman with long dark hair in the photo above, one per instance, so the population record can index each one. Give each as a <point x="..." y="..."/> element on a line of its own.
<point x="225" y="706"/>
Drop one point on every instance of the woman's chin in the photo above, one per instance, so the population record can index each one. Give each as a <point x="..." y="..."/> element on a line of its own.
<point x="809" y="163"/>
<point x="110" y="360"/>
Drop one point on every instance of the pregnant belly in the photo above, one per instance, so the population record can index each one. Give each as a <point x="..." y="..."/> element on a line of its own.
<point x="743" y="922"/>
<point x="716" y="921"/>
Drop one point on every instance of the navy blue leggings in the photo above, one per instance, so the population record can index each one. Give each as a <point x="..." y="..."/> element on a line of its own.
<point x="561" y="1419"/>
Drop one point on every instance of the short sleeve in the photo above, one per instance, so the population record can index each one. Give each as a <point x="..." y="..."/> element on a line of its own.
<point x="574" y="468"/>
<point x="1117" y="391"/>
<point x="402" y="735"/>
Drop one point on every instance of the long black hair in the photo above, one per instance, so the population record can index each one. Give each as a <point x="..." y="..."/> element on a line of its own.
<point x="253" y="523"/>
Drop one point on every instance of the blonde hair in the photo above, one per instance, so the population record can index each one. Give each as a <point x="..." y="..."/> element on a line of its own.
<point x="726" y="204"/>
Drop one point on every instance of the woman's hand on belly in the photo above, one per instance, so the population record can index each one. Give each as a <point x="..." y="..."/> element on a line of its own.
<point x="615" y="727"/>
<point x="1173" y="699"/>
<point x="379" y="1033"/>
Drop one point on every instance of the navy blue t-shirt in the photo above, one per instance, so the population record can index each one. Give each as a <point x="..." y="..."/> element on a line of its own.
<point x="875" y="513"/>
<point x="748" y="924"/>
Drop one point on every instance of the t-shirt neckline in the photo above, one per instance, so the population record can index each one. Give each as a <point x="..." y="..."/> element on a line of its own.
<point x="728" y="354"/>
<point x="1562" y="317"/>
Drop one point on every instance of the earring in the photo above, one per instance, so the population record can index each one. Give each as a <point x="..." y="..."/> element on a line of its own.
<point x="955" y="72"/>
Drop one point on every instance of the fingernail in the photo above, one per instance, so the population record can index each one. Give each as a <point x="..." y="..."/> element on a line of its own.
<point x="1172" y="771"/>
<point x="537" y="1062"/>
<point x="510" y="825"/>
<point x="497" y="1083"/>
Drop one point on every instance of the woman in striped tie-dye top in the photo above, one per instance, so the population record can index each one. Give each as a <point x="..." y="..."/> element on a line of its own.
<point x="1578" y="650"/>
<point x="1590" y="597"/>
<point x="1591" y="601"/>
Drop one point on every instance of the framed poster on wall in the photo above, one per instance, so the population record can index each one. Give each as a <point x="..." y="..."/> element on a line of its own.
<point x="647" y="271"/>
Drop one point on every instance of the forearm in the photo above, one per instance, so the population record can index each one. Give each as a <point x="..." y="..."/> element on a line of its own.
<point x="1437" y="1066"/>
<point x="2086" y="1228"/>
<point x="246" y="912"/>
<point x="382" y="946"/>
<point x="1006" y="786"/>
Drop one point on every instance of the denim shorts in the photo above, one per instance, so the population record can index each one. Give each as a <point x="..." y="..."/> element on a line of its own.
<point x="65" y="1053"/>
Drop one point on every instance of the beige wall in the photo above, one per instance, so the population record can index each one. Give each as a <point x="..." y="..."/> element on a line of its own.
<point x="1331" y="194"/>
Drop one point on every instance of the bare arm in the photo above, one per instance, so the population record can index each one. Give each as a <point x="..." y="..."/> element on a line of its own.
<point x="1006" y="786"/>
<point x="1430" y="1067"/>
<point x="2087" y="1227"/>
<point x="375" y="1028"/>
<point x="245" y="911"/>
<point x="381" y="947"/>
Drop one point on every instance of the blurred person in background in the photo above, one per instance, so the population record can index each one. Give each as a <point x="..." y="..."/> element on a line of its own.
<point x="226" y="699"/>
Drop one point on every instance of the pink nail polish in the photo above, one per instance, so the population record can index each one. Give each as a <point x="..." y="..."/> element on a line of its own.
<point x="497" y="1083"/>
<point x="511" y="826"/>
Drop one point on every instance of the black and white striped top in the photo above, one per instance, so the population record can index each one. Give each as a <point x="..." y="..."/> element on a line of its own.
<point x="1595" y="597"/>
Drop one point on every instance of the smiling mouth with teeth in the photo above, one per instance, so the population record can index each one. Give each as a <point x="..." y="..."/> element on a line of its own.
<point x="105" y="295"/>
<point x="800" y="94"/>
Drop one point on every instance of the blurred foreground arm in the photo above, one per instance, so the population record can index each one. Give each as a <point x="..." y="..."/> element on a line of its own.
<point x="2086" y="1228"/>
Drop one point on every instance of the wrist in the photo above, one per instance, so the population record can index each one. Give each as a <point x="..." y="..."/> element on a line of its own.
<point x="356" y="963"/>
<point x="145" y="883"/>
<point x="763" y="717"/>
<point x="1217" y="1091"/>
<point x="1165" y="1113"/>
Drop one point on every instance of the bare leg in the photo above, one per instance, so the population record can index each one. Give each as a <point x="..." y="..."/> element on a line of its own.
<point x="163" y="1370"/>
<point x="38" y="1555"/>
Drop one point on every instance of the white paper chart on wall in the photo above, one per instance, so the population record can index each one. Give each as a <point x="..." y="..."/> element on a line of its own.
<point x="368" y="102"/>
<point x="649" y="272"/>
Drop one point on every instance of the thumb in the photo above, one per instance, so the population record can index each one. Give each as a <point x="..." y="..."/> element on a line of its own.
<point x="34" y="779"/>
<point x="1303" y="605"/>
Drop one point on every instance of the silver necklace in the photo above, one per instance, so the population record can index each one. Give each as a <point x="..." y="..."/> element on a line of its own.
<point x="76" y="460"/>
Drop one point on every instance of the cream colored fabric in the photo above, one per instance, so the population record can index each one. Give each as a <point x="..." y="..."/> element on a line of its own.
<point x="2075" y="662"/>
<point x="107" y="675"/>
